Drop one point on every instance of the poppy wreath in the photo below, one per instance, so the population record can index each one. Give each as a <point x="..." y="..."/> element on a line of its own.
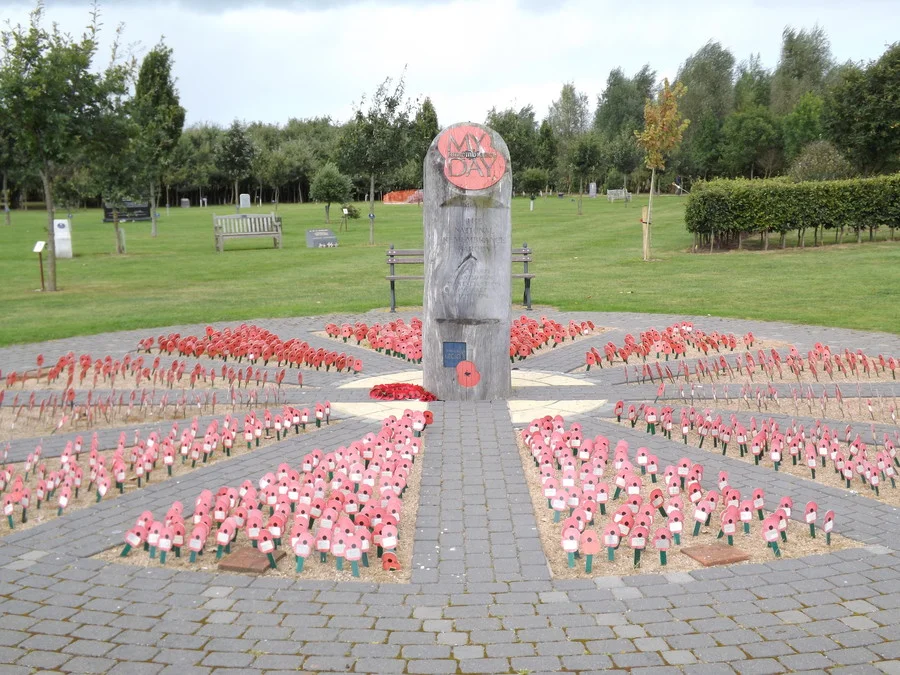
<point x="400" y="391"/>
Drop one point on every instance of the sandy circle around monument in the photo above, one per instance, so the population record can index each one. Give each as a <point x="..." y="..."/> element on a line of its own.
<point x="87" y="495"/>
<point x="799" y="542"/>
<point x="313" y="569"/>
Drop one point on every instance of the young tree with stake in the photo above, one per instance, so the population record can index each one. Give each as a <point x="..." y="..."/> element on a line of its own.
<point x="663" y="129"/>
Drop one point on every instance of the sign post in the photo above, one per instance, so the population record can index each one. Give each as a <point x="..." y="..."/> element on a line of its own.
<point x="39" y="248"/>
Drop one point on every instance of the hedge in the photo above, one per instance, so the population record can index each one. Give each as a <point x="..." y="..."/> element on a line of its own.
<point x="731" y="209"/>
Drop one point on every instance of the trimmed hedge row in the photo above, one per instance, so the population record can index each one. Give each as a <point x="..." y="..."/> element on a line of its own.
<point x="735" y="208"/>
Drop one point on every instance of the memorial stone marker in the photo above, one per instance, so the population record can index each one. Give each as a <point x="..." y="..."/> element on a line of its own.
<point x="245" y="201"/>
<point x="468" y="186"/>
<point x="321" y="238"/>
<point x="62" y="237"/>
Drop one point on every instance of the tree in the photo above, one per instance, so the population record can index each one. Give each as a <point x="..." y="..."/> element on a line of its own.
<point x="663" y="130"/>
<point x="568" y="117"/>
<point x="532" y="181"/>
<point x="7" y="161"/>
<point x="330" y="185"/>
<point x="804" y="64"/>
<point x="374" y="142"/>
<point x="519" y="129"/>
<point x="50" y="86"/>
<point x="750" y="139"/>
<point x="861" y="114"/>
<point x="708" y="77"/>
<point x="160" y="119"/>
<point x="585" y="157"/>
<point x="820" y="160"/>
<point x="425" y="129"/>
<point x="620" y="107"/>
<point x="753" y="86"/>
<point x="273" y="170"/>
<point x="234" y="156"/>
<point x="546" y="147"/>
<point x="624" y="154"/>
<point x="802" y="125"/>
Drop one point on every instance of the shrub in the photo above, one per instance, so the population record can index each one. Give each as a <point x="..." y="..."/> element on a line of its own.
<point x="732" y="209"/>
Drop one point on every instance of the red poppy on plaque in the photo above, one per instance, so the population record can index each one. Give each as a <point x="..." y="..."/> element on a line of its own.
<point x="467" y="374"/>
<point x="470" y="160"/>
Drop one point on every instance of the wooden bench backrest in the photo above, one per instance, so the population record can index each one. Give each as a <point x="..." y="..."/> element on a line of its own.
<point x="246" y="224"/>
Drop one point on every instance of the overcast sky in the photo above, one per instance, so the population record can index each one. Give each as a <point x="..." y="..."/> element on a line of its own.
<point x="271" y="60"/>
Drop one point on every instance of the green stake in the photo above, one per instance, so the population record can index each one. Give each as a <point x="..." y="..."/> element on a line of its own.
<point x="219" y="549"/>
<point x="339" y="564"/>
<point x="162" y="557"/>
<point x="323" y="558"/>
<point x="812" y="530"/>
<point x="271" y="558"/>
<point x="193" y="556"/>
<point x="611" y="553"/>
<point x="637" y="558"/>
<point x="571" y="560"/>
<point x="588" y="563"/>
<point x="354" y="568"/>
<point x="696" y="528"/>
<point x="663" y="560"/>
<point x="730" y="540"/>
<point x="828" y="538"/>
<point x="125" y="551"/>
<point x="299" y="567"/>
<point x="746" y="528"/>
<point x="677" y="537"/>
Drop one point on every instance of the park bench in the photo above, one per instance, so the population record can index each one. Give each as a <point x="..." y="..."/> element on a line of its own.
<point x="246" y="225"/>
<point x="416" y="256"/>
<point x="613" y="195"/>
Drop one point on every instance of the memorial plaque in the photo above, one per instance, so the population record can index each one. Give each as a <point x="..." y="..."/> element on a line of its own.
<point x="322" y="238"/>
<point x="454" y="352"/>
<point x="468" y="187"/>
<point x="185" y="203"/>
<point x="62" y="237"/>
<point x="245" y="201"/>
<point x="128" y="212"/>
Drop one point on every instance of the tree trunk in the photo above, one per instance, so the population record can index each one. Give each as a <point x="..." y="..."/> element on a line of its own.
<point x="372" y="210"/>
<point x="712" y="240"/>
<point x="276" y="199"/>
<point x="6" y="200"/>
<point x="802" y="237"/>
<point x="327" y="213"/>
<point x="580" y="195"/>
<point x="153" y="208"/>
<point x="119" y="248"/>
<point x="237" y="202"/>
<point x="858" y="235"/>
<point x="51" y="242"/>
<point x="646" y="226"/>
<point x="783" y="239"/>
<point x="740" y="240"/>
<point x="765" y="240"/>
<point x="167" y="199"/>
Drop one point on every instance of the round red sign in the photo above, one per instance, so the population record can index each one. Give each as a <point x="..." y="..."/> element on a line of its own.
<point x="470" y="160"/>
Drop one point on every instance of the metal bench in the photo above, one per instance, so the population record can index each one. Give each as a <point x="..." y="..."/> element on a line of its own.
<point x="246" y="225"/>
<point x="416" y="256"/>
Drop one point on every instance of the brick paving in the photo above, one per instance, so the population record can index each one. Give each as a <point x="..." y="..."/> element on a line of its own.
<point x="481" y="598"/>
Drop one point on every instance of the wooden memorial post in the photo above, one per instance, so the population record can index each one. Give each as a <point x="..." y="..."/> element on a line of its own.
<point x="468" y="187"/>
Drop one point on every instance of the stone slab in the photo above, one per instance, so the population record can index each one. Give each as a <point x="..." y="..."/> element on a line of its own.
<point x="248" y="560"/>
<point x="710" y="555"/>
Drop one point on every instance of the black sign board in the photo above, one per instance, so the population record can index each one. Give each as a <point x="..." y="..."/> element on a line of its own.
<point x="128" y="212"/>
<point x="454" y="352"/>
<point x="323" y="238"/>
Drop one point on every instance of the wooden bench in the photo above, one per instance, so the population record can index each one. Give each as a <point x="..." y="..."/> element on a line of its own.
<point x="416" y="256"/>
<point x="246" y="225"/>
<point x="613" y="195"/>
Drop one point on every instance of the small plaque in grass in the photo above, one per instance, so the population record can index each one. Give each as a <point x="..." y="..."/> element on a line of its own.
<point x="247" y="560"/>
<point x="710" y="555"/>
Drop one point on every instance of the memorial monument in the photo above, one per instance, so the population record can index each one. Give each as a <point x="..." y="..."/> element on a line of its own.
<point x="465" y="332"/>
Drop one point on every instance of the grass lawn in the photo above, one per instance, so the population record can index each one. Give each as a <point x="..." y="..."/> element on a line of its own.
<point x="589" y="262"/>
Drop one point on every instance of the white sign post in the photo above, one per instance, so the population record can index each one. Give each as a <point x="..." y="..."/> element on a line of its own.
<point x="39" y="249"/>
<point x="62" y="237"/>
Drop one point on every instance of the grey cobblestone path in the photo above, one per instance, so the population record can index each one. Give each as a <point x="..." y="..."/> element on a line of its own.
<point x="481" y="598"/>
